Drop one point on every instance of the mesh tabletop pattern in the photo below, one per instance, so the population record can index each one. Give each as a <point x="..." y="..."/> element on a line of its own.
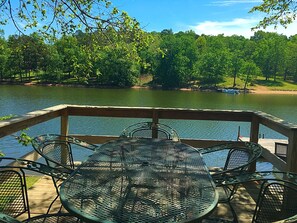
<point x="141" y="180"/>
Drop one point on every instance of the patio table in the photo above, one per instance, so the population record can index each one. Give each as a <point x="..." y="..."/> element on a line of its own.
<point x="141" y="180"/>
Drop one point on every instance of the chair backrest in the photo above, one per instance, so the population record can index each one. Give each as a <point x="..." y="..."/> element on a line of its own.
<point x="237" y="157"/>
<point x="56" y="149"/>
<point x="57" y="153"/>
<point x="230" y="158"/>
<point x="276" y="202"/>
<point x="13" y="192"/>
<point x="150" y="130"/>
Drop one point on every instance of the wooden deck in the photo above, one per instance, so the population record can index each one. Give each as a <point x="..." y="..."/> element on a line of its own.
<point x="41" y="194"/>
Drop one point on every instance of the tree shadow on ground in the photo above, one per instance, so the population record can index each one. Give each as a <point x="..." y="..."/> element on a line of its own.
<point x="269" y="83"/>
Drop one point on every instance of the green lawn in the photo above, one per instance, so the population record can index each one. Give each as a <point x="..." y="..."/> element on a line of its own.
<point x="278" y="85"/>
<point x="31" y="180"/>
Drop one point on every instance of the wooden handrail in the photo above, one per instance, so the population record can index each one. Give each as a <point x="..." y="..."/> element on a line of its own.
<point x="256" y="119"/>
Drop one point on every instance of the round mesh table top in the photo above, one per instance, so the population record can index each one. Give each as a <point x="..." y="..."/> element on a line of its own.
<point x="141" y="180"/>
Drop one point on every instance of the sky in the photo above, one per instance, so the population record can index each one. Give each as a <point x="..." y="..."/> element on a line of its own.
<point x="210" y="17"/>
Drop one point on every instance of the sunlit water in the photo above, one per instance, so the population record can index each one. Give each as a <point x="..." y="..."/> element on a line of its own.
<point x="19" y="100"/>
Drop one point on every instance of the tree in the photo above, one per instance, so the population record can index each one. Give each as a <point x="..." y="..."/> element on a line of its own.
<point x="277" y="12"/>
<point x="3" y="56"/>
<point x="214" y="61"/>
<point x="15" y="58"/>
<point x="176" y="67"/>
<point x="59" y="16"/>
<point x="250" y="70"/>
<point x="269" y="53"/>
<point x="236" y="45"/>
<point x="68" y="50"/>
<point x="291" y="59"/>
<point x="212" y="67"/>
<point x="119" y="65"/>
<point x="51" y="64"/>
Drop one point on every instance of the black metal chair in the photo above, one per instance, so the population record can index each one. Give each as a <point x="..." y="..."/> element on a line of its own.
<point x="56" y="149"/>
<point x="13" y="189"/>
<point x="150" y="130"/>
<point x="276" y="200"/>
<point x="227" y="160"/>
<point x="57" y="152"/>
<point x="13" y="193"/>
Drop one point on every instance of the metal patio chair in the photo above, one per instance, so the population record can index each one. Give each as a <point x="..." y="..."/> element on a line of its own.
<point x="227" y="160"/>
<point x="276" y="200"/>
<point x="150" y="130"/>
<point x="57" y="152"/>
<point x="56" y="149"/>
<point x="13" y="190"/>
<point x="13" y="193"/>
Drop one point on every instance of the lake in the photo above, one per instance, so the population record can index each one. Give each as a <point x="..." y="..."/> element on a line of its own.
<point x="19" y="100"/>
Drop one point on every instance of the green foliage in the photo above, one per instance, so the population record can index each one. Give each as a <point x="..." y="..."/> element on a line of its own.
<point x="64" y="17"/>
<point x="174" y="60"/>
<point x="23" y="138"/>
<point x="6" y="117"/>
<point x="277" y="12"/>
<point x="119" y="66"/>
<point x="175" y="67"/>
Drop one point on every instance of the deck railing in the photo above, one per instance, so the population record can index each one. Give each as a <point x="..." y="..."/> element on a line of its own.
<point x="255" y="119"/>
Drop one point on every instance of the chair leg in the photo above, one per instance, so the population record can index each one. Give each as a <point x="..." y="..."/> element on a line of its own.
<point x="235" y="220"/>
<point x="50" y="206"/>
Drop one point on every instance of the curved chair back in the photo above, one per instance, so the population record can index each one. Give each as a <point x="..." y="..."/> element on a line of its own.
<point x="150" y="130"/>
<point x="13" y="193"/>
<point x="57" y="153"/>
<point x="56" y="149"/>
<point x="13" y="183"/>
<point x="237" y="157"/>
<point x="276" y="202"/>
<point x="230" y="158"/>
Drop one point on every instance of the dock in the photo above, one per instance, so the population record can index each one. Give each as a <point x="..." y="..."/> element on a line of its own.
<point x="268" y="144"/>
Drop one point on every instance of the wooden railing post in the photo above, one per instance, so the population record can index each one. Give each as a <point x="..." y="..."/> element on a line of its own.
<point x="292" y="151"/>
<point x="64" y="125"/>
<point x="254" y="137"/>
<point x="254" y="132"/>
<point x="64" y="132"/>
<point x="155" y="120"/>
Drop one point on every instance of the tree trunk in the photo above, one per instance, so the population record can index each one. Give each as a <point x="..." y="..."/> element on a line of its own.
<point x="234" y="79"/>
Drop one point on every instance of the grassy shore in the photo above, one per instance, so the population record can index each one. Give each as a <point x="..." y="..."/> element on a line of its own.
<point x="262" y="86"/>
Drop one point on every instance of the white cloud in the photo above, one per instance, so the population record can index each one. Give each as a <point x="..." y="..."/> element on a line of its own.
<point x="233" y="2"/>
<point x="237" y="26"/>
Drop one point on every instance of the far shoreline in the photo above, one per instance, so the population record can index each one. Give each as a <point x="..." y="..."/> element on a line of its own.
<point x="257" y="90"/>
